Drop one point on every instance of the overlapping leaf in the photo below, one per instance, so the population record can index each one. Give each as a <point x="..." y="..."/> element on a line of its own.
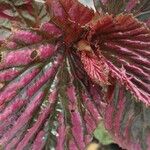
<point x="139" y="8"/>
<point x="64" y="15"/>
<point x="127" y="120"/>
<point x="134" y="6"/>
<point x="125" y="44"/>
<point x="44" y="101"/>
<point x="48" y="95"/>
<point x="21" y="13"/>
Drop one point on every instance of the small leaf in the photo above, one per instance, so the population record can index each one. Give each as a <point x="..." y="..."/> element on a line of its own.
<point x="94" y="65"/>
<point x="103" y="135"/>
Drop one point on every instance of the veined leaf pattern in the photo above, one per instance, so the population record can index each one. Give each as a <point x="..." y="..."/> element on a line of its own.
<point x="40" y="102"/>
<point x="63" y="67"/>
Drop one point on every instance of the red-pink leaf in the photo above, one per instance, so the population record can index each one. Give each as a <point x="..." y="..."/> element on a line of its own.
<point x="39" y="123"/>
<point x="69" y="15"/>
<point x="61" y="133"/>
<point x="70" y="10"/>
<point x="26" y="37"/>
<point x="116" y="7"/>
<point x="12" y="88"/>
<point x="51" y="29"/>
<point x="130" y="5"/>
<point x="39" y="142"/>
<point x="36" y="68"/>
<point x="127" y="120"/>
<point x="26" y="55"/>
<point x="94" y="65"/>
<point x="54" y="53"/>
<point x="9" y="74"/>
<point x="126" y="52"/>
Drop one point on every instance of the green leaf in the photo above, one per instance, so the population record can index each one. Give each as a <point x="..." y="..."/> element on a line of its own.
<point x="102" y="134"/>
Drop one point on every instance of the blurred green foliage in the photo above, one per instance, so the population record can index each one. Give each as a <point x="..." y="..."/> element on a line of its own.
<point x="102" y="134"/>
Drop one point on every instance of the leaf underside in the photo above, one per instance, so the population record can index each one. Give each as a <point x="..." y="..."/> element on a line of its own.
<point x="53" y="93"/>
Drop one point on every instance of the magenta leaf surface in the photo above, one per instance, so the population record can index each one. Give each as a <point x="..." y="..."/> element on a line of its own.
<point x="127" y="120"/>
<point x="44" y="97"/>
<point x="126" y="49"/>
<point x="125" y="44"/>
<point x="44" y="101"/>
<point x="63" y="67"/>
